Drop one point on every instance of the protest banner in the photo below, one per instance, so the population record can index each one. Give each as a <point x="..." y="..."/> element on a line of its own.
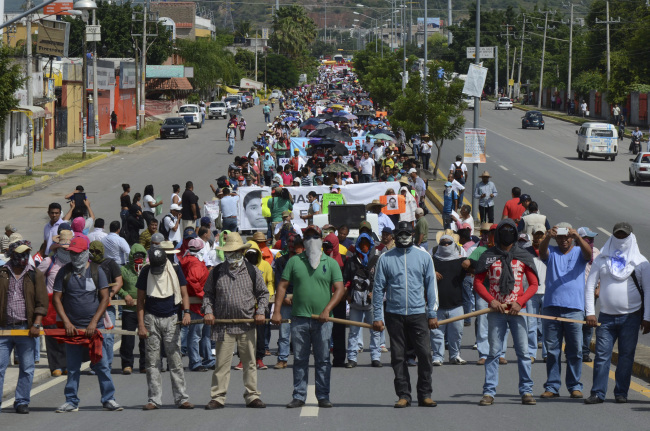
<point x="331" y="199"/>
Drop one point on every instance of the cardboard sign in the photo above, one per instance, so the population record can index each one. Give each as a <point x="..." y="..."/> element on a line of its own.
<point x="331" y="199"/>
<point x="395" y="204"/>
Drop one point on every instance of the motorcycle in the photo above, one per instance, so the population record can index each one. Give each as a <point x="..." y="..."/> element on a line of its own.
<point x="635" y="145"/>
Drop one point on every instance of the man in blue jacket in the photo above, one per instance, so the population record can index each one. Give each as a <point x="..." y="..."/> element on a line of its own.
<point x="411" y="310"/>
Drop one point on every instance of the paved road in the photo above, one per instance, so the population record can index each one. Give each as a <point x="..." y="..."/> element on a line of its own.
<point x="363" y="399"/>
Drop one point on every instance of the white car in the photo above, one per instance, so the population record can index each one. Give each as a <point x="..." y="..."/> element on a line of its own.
<point x="503" y="103"/>
<point x="275" y="94"/>
<point x="640" y="168"/>
<point x="469" y="100"/>
<point x="597" y="139"/>
<point x="217" y="109"/>
<point x="191" y="114"/>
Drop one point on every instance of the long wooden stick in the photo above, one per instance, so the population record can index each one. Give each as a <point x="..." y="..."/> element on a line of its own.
<point x="25" y="332"/>
<point x="228" y="321"/>
<point x="559" y="319"/>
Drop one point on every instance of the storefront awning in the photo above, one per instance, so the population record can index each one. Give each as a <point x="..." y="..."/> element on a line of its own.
<point x="32" y="111"/>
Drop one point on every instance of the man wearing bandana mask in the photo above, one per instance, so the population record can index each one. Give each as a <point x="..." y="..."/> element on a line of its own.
<point x="505" y="265"/>
<point x="407" y="276"/>
<point x="23" y="304"/>
<point x="317" y="289"/>
<point x="564" y="296"/>
<point x="624" y="277"/>
<point x="129" y="292"/>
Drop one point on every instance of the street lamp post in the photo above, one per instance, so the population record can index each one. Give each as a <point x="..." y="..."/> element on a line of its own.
<point x="85" y="6"/>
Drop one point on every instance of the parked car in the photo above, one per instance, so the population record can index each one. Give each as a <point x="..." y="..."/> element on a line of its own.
<point x="469" y="100"/>
<point x="597" y="139"/>
<point x="503" y="103"/>
<point x="640" y="168"/>
<point x="232" y="103"/>
<point x="532" y="119"/>
<point x="275" y="94"/>
<point x="217" y="109"/>
<point x="191" y="114"/>
<point x="174" y="127"/>
<point x="247" y="99"/>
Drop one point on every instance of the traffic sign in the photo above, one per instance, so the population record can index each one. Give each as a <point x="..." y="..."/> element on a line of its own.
<point x="485" y="51"/>
<point x="58" y="8"/>
<point x="93" y="33"/>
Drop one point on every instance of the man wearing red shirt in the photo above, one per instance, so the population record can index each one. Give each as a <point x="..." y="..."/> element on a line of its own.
<point x="295" y="162"/>
<point x="513" y="209"/>
<point x="505" y="265"/>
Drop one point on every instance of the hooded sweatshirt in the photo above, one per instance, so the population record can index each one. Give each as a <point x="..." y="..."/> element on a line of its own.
<point x="222" y="240"/>
<point x="196" y="274"/>
<point x="265" y="267"/>
<point x="130" y="276"/>
<point x="336" y="253"/>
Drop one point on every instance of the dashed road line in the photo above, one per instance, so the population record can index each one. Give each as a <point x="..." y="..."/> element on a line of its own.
<point x="604" y="231"/>
<point x="560" y="203"/>
<point x="528" y="182"/>
<point x="310" y="409"/>
<point x="503" y="167"/>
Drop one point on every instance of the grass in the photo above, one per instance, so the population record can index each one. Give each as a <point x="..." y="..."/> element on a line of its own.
<point x="63" y="161"/>
<point x="13" y="180"/>
<point x="124" y="138"/>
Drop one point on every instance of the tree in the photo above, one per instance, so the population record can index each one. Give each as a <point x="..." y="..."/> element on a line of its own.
<point x="280" y="72"/>
<point x="211" y="63"/>
<point x="245" y="60"/>
<point x="443" y="109"/>
<point x="586" y="81"/>
<point x="293" y="31"/>
<point x="381" y="78"/>
<point x="11" y="80"/>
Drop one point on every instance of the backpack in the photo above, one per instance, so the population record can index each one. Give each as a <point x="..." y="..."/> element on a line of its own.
<point x="163" y="229"/>
<point x="362" y="281"/>
<point x="458" y="172"/>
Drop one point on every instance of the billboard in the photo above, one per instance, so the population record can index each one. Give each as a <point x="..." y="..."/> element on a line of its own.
<point x="432" y="24"/>
<point x="58" y="8"/>
<point x="127" y="74"/>
<point x="53" y="38"/>
<point x="105" y="75"/>
<point x="165" y="71"/>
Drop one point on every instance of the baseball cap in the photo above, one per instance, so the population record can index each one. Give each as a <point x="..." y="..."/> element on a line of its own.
<point x="622" y="227"/>
<point x="175" y="207"/>
<point x="465" y="226"/>
<point x="11" y="228"/>
<point x="413" y="170"/>
<point x="336" y="187"/>
<point x="524" y="237"/>
<point x="523" y="198"/>
<point x="78" y="244"/>
<point x="314" y="228"/>
<point x="241" y="178"/>
<point x="419" y="211"/>
<point x="286" y="213"/>
<point x="206" y="221"/>
<point x="540" y="228"/>
<point x="189" y="232"/>
<point x="494" y="226"/>
<point x="448" y="184"/>
<point x="386" y="229"/>
<point x="404" y="226"/>
<point x="157" y="261"/>
<point x="196" y="244"/>
<point x="365" y="224"/>
<point x="585" y="231"/>
<point x="565" y="225"/>
<point x="22" y="248"/>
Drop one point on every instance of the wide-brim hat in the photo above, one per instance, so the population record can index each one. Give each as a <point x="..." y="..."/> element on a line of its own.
<point x="374" y="204"/>
<point x="234" y="243"/>
<point x="486" y="174"/>
<point x="257" y="237"/>
<point x="447" y="232"/>
<point x="168" y="247"/>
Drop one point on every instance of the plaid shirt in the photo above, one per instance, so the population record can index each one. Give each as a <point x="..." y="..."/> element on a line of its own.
<point x="16" y="311"/>
<point x="231" y="295"/>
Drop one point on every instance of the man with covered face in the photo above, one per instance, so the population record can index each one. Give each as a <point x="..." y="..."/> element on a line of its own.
<point x="23" y="304"/>
<point x="411" y="311"/>
<point x="505" y="265"/>
<point x="235" y="289"/>
<point x="317" y="289"/>
<point x="129" y="292"/>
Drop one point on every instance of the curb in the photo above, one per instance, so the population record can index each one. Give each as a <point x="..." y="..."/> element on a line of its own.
<point x="81" y="164"/>
<point x="30" y="183"/>
<point x="142" y="141"/>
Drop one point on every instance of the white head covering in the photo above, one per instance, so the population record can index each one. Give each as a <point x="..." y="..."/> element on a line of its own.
<point x="448" y="252"/>
<point x="621" y="256"/>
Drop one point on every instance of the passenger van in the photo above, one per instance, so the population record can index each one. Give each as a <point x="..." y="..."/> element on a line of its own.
<point x="597" y="139"/>
<point x="191" y="114"/>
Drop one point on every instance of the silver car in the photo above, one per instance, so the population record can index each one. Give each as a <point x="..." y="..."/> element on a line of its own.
<point x="640" y="168"/>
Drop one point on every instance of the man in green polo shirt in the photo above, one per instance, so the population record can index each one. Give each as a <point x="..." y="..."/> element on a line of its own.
<point x="314" y="276"/>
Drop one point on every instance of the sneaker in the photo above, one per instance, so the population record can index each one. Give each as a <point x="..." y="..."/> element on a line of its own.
<point x="281" y="365"/>
<point x="539" y="344"/>
<point x="532" y="360"/>
<point x="384" y="349"/>
<point x="467" y="324"/>
<point x="260" y="365"/>
<point x="376" y="364"/>
<point x="436" y="363"/>
<point x="267" y="352"/>
<point x="411" y="362"/>
<point x="487" y="400"/>
<point x="351" y="364"/>
<point x="620" y="399"/>
<point x="239" y="366"/>
<point x="67" y="408"/>
<point x="127" y="370"/>
<point x="475" y="346"/>
<point x="112" y="406"/>
<point x="458" y="361"/>
<point x="528" y="400"/>
<point x="593" y="399"/>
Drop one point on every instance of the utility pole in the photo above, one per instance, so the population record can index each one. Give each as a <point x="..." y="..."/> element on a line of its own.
<point x="402" y="37"/>
<point x="512" y="72"/>
<point x="426" y="73"/>
<point x="256" y="40"/>
<point x="496" y="71"/>
<point x="450" y="37"/>
<point x="608" y="22"/>
<point x="541" y="70"/>
<point x="95" y="95"/>
<point x="325" y="18"/>
<point x="568" y="92"/>
<point x="30" y="93"/>
<point x="143" y="63"/>
<point x="477" y="100"/>
<point x="521" y="55"/>
<point x="507" y="35"/>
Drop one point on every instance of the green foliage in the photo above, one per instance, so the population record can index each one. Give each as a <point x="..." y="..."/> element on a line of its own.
<point x="293" y="31"/>
<point x="281" y="72"/>
<point x="586" y="81"/>
<point x="11" y="80"/>
<point x="211" y="63"/>
<point x="245" y="60"/>
<point x="380" y="77"/>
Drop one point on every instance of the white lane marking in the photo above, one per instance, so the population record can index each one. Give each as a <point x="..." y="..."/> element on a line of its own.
<point x="604" y="231"/>
<point x="55" y="381"/>
<point x="503" y="167"/>
<point x="311" y="404"/>
<point x="488" y="156"/>
<point x="552" y="157"/>
<point x="560" y="203"/>
<point x="528" y="182"/>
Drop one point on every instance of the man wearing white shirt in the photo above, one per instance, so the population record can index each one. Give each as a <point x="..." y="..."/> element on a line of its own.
<point x="624" y="276"/>
<point x="172" y="224"/>
<point x="367" y="168"/>
<point x="98" y="233"/>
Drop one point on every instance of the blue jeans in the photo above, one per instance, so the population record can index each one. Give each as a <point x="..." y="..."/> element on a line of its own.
<point x="74" y="354"/>
<point x="416" y="150"/>
<point x="554" y="332"/>
<point x="184" y="331"/>
<point x="534" y="306"/>
<point x="25" y="351"/>
<point x="231" y="145"/>
<point x="453" y="331"/>
<point x="308" y="333"/>
<point x="267" y="118"/>
<point x="625" y="329"/>
<point x="355" y="332"/>
<point x="366" y="178"/>
<point x="587" y="333"/>
<point x="468" y="296"/>
<point x="109" y="339"/>
<point x="481" y="328"/>
<point x="198" y="344"/>
<point x="462" y="193"/>
<point x="230" y="223"/>
<point x="284" y="336"/>
<point x="498" y="323"/>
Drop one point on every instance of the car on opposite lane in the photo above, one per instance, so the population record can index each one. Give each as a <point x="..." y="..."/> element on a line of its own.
<point x="533" y="119"/>
<point x="217" y="109"/>
<point x="503" y="103"/>
<point x="174" y="127"/>
<point x="639" y="168"/>
<point x="469" y="100"/>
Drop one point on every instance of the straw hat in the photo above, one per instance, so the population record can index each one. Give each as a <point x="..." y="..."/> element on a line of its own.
<point x="485" y="174"/>
<point x="63" y="239"/>
<point x="374" y="204"/>
<point x="447" y="232"/>
<point x="257" y="237"/>
<point x="234" y="243"/>
<point x="168" y="247"/>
